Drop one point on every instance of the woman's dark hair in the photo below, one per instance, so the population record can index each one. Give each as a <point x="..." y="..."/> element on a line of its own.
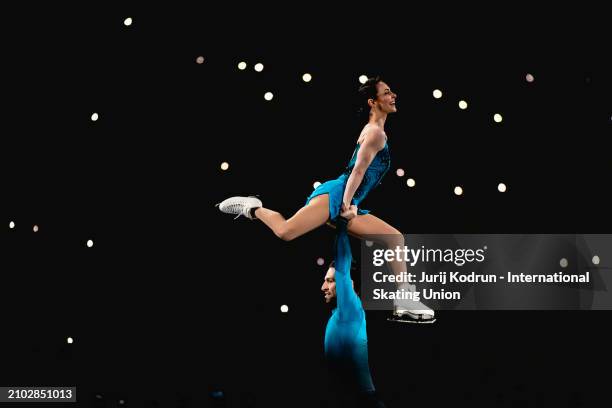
<point x="367" y="91"/>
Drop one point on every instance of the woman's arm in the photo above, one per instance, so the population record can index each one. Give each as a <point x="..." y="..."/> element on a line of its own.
<point x="373" y="142"/>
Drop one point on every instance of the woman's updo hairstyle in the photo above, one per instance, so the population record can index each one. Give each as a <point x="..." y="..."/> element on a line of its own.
<point x="367" y="91"/>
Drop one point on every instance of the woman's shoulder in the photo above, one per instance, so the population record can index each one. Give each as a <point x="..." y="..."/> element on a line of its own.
<point x="374" y="132"/>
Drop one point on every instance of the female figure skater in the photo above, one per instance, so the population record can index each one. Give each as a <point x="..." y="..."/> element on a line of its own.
<point x="346" y="338"/>
<point x="342" y="196"/>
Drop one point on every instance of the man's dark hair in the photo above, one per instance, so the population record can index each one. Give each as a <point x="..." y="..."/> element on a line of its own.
<point x="354" y="276"/>
<point x="332" y="264"/>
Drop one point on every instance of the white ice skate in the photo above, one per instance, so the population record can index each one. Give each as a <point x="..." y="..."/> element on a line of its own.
<point x="412" y="311"/>
<point x="240" y="206"/>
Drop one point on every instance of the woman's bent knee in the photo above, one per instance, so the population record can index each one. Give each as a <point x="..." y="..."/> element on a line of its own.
<point x="394" y="239"/>
<point x="285" y="233"/>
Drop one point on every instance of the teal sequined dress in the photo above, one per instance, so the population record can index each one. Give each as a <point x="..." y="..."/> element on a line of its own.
<point x="372" y="178"/>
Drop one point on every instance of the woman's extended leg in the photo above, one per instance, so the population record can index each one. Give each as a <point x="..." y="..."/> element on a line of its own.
<point x="306" y="219"/>
<point x="368" y="224"/>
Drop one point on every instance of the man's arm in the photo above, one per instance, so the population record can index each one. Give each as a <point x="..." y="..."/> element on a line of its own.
<point x="349" y="304"/>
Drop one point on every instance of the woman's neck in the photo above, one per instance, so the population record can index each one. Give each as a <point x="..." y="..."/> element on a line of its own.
<point x="377" y="119"/>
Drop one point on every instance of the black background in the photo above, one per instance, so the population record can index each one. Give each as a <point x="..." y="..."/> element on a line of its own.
<point x="175" y="300"/>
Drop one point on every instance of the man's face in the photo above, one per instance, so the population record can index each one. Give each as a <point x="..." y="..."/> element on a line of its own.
<point x="329" y="285"/>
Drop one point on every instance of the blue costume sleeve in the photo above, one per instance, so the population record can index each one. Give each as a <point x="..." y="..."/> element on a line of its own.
<point x="349" y="304"/>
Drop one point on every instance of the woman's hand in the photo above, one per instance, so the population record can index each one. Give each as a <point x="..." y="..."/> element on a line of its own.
<point x="349" y="213"/>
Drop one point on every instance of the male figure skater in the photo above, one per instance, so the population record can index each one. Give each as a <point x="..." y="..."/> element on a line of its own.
<point x="346" y="339"/>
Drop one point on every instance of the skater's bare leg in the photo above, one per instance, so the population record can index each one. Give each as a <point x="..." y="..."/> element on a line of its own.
<point x="306" y="219"/>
